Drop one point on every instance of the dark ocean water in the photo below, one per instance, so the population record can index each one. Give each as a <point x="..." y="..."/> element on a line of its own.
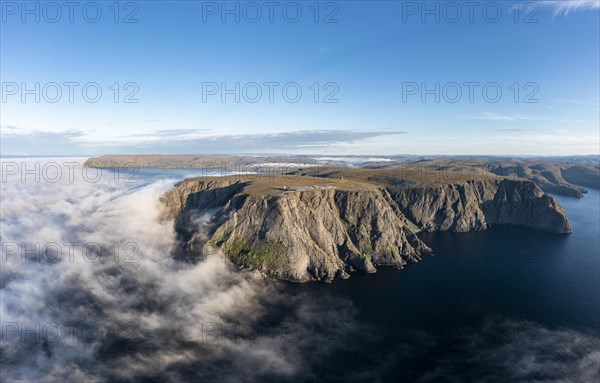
<point x="483" y="304"/>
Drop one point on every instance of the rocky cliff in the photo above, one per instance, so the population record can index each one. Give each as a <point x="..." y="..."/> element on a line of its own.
<point x="303" y="233"/>
<point x="477" y="205"/>
<point x="187" y="197"/>
<point x="299" y="235"/>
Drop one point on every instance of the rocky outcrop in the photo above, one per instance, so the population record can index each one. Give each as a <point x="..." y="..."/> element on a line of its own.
<point x="317" y="234"/>
<point x="477" y="205"/>
<point x="584" y="175"/>
<point x="322" y="233"/>
<point x="546" y="175"/>
<point x="552" y="176"/>
<point x="193" y="194"/>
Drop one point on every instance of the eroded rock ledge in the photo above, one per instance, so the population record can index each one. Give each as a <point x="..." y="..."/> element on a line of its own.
<point x="477" y="205"/>
<point x="309" y="228"/>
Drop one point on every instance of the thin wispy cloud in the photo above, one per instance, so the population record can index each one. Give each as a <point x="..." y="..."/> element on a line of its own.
<point x="9" y="129"/>
<point x="190" y="140"/>
<point x="565" y="7"/>
<point x="592" y="142"/>
<point x="324" y="49"/>
<point x="172" y="133"/>
<point x="34" y="142"/>
<point x="590" y="102"/>
<point x="489" y="116"/>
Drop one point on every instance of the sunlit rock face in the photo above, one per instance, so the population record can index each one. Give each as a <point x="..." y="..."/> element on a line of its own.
<point x="477" y="205"/>
<point x="313" y="232"/>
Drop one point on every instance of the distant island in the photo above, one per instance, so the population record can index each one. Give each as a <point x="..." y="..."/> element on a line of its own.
<point x="324" y="222"/>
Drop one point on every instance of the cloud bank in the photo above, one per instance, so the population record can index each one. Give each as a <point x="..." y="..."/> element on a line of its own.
<point x="16" y="141"/>
<point x="94" y="317"/>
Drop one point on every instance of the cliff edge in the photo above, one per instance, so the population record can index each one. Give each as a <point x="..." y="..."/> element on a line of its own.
<point x="320" y="228"/>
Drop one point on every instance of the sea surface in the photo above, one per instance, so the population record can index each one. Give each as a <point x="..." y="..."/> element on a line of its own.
<point x="498" y="305"/>
<point x="503" y="305"/>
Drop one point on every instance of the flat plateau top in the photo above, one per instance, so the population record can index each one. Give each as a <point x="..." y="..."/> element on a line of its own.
<point x="347" y="179"/>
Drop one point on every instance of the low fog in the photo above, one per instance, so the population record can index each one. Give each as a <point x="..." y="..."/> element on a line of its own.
<point x="85" y="312"/>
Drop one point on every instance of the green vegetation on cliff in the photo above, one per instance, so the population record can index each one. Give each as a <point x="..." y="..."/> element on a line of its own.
<point x="267" y="255"/>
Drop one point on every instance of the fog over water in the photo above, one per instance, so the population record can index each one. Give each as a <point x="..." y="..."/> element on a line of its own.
<point x="95" y="317"/>
<point x="73" y="308"/>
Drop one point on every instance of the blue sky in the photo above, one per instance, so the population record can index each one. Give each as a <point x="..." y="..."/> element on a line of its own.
<point x="374" y="58"/>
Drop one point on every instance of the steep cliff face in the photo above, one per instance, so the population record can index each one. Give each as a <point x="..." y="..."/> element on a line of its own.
<point x="317" y="234"/>
<point x="476" y="205"/>
<point x="193" y="194"/>
<point x="320" y="233"/>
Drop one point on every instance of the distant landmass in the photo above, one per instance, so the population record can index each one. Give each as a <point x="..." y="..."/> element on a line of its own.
<point x="560" y="175"/>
